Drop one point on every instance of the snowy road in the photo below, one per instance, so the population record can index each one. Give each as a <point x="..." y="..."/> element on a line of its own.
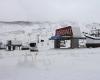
<point x="60" y="64"/>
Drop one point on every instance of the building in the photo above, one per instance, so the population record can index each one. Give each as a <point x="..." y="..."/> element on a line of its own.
<point x="67" y="33"/>
<point x="13" y="45"/>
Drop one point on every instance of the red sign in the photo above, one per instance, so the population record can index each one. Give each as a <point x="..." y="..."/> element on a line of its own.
<point x="66" y="31"/>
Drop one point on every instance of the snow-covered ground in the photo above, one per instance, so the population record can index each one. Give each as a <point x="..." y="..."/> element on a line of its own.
<point x="48" y="63"/>
<point x="51" y="64"/>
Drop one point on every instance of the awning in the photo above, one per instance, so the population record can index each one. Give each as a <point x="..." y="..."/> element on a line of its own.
<point x="55" y="38"/>
<point x="65" y="38"/>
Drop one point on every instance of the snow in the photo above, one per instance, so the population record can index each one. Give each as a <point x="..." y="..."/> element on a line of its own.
<point x="48" y="63"/>
<point x="93" y="40"/>
<point x="76" y="32"/>
<point x="51" y="64"/>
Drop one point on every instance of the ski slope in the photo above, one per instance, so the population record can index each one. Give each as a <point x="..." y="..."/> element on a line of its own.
<point x="50" y="64"/>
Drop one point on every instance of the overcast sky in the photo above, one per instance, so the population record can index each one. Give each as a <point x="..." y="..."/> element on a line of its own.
<point x="53" y="10"/>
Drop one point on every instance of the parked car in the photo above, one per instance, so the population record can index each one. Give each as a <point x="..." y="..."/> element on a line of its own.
<point x="33" y="47"/>
<point x="25" y="47"/>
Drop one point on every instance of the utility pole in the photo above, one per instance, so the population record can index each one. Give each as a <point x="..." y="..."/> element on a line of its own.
<point x="38" y="40"/>
<point x="29" y="35"/>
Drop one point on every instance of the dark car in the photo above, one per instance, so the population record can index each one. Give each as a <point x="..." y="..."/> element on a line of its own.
<point x="33" y="47"/>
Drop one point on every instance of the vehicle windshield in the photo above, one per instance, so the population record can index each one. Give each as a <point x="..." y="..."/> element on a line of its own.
<point x="32" y="44"/>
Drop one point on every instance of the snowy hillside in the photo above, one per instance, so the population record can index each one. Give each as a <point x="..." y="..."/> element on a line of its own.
<point x="22" y="30"/>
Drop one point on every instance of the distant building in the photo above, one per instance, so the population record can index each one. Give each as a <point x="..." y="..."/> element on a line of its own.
<point x="67" y="33"/>
<point x="13" y="45"/>
<point x="93" y="38"/>
<point x="2" y="46"/>
<point x="95" y="32"/>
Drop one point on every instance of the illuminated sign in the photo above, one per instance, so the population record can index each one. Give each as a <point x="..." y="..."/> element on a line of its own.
<point x="66" y="31"/>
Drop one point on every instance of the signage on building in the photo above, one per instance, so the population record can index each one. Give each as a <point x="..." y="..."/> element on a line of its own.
<point x="66" y="31"/>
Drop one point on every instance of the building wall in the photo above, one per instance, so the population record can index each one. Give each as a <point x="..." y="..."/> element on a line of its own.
<point x="74" y="43"/>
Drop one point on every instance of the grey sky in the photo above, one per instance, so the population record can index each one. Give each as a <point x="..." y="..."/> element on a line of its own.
<point x="53" y="10"/>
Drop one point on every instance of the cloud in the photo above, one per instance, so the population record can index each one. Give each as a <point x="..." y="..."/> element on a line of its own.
<point x="53" y="10"/>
